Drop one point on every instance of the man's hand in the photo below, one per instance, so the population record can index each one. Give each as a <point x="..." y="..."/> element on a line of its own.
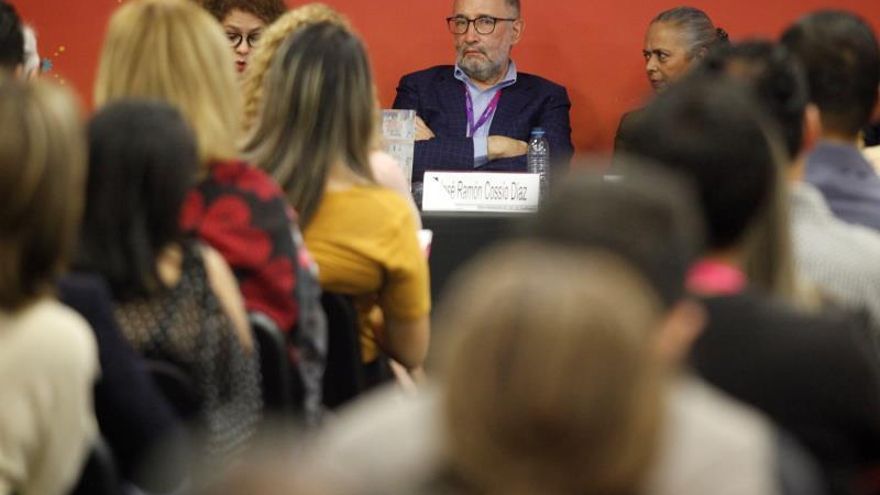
<point x="505" y="147"/>
<point x="423" y="132"/>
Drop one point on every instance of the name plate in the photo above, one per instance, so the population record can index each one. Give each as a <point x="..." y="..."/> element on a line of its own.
<point x="480" y="191"/>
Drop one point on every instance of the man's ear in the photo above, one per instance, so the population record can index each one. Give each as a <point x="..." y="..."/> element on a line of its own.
<point x="701" y="54"/>
<point x="812" y="127"/>
<point x="679" y="329"/>
<point x="18" y="71"/>
<point x="519" y="26"/>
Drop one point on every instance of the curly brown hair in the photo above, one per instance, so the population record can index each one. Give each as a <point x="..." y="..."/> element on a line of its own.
<point x="267" y="10"/>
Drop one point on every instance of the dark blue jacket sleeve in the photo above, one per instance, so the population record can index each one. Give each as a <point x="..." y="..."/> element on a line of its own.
<point x="554" y="119"/>
<point x="133" y="416"/>
<point x="439" y="153"/>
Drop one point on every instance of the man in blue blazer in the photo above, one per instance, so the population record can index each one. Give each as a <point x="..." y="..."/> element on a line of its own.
<point x="478" y="114"/>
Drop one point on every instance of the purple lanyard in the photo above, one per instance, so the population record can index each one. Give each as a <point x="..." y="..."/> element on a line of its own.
<point x="487" y="113"/>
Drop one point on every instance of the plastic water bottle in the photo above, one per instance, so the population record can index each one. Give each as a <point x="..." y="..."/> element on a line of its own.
<point x="538" y="159"/>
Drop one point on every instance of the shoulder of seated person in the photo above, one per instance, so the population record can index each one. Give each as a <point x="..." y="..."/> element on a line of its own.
<point x="431" y="71"/>
<point x="212" y="258"/>
<point x="534" y="79"/>
<point x="60" y="327"/>
<point x="387" y="171"/>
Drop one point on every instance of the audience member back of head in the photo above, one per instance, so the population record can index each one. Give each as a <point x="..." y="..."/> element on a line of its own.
<point x="48" y="357"/>
<point x="841" y="56"/>
<point x="519" y="424"/>
<point x="174" y="51"/>
<point x="11" y="39"/>
<point x="806" y="372"/>
<point x="176" y="300"/>
<point x="645" y="217"/>
<point x="836" y="256"/>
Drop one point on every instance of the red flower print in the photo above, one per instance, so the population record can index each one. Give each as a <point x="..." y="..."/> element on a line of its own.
<point x="257" y="182"/>
<point x="226" y="225"/>
<point x="272" y="291"/>
<point x="192" y="210"/>
<point x="226" y="173"/>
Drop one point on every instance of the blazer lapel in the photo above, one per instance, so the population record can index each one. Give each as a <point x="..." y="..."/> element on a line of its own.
<point x="513" y="100"/>
<point x="451" y="96"/>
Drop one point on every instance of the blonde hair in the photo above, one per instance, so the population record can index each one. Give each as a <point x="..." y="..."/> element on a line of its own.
<point x="319" y="111"/>
<point x="768" y="252"/>
<point x="559" y="390"/>
<point x="271" y="39"/>
<point x="174" y="51"/>
<point x="42" y="182"/>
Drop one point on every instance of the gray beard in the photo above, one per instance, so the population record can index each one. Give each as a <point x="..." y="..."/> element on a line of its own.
<point x="481" y="72"/>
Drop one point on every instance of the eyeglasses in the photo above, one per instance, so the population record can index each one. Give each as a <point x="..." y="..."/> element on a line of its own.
<point x="235" y="39"/>
<point x="483" y="25"/>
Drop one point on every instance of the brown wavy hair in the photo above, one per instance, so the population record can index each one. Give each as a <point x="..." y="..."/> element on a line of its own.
<point x="267" y="10"/>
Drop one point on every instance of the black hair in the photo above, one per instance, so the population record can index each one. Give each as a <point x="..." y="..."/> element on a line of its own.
<point x="778" y="80"/>
<point x="700" y="31"/>
<point x="142" y="162"/>
<point x="645" y="216"/>
<point x="11" y="37"/>
<point x="840" y="54"/>
<point x="708" y="129"/>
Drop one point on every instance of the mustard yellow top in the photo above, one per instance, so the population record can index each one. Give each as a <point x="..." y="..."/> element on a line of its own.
<point x="364" y="241"/>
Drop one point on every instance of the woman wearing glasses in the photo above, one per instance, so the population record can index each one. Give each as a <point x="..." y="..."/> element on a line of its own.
<point x="244" y="22"/>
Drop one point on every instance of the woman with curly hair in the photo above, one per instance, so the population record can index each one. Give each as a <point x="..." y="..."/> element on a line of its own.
<point x="244" y="22"/>
<point x="271" y="38"/>
<point x="386" y="170"/>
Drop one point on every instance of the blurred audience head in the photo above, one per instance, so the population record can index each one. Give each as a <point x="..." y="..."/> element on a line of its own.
<point x="319" y="112"/>
<point x="272" y="467"/>
<point x="11" y="38"/>
<point x="698" y="129"/>
<point x="271" y="39"/>
<point x="840" y="54"/>
<point x="142" y="162"/>
<point x="244" y="22"/>
<point x="42" y="174"/>
<point x="559" y="389"/>
<point x="778" y="82"/>
<point x="645" y="215"/>
<point x="31" y="55"/>
<point x="676" y="39"/>
<point x="172" y="50"/>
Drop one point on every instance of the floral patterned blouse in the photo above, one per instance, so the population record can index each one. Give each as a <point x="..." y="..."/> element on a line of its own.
<point x="242" y="213"/>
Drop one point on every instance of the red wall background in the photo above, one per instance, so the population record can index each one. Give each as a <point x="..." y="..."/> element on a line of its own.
<point x="592" y="47"/>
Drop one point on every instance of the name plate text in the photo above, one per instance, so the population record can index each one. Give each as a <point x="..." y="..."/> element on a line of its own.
<point x="480" y="191"/>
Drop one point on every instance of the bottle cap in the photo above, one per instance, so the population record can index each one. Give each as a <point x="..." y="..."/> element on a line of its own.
<point x="537" y="131"/>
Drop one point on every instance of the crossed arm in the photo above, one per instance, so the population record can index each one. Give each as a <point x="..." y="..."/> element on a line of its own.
<point x="446" y="152"/>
